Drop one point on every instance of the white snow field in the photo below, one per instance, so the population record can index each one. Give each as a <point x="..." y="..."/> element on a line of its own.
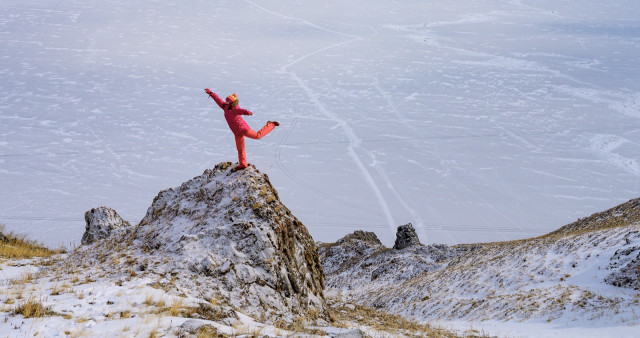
<point x="476" y="120"/>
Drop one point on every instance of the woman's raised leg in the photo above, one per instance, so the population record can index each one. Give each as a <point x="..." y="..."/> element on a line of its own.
<point x="262" y="132"/>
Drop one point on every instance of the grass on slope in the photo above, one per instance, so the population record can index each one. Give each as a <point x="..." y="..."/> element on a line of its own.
<point x="622" y="215"/>
<point x="387" y="323"/>
<point x="16" y="246"/>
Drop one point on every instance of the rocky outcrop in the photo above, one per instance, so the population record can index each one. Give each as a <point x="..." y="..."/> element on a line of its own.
<point x="224" y="236"/>
<point x="360" y="259"/>
<point x="100" y="222"/>
<point x="349" y="251"/>
<point x="367" y="237"/>
<point x="406" y="237"/>
<point x="625" y="264"/>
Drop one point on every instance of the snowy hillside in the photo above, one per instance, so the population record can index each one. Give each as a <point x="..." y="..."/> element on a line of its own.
<point x="585" y="275"/>
<point x="475" y="120"/>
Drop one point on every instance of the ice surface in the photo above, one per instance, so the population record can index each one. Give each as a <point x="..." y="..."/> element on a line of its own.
<point x="474" y="120"/>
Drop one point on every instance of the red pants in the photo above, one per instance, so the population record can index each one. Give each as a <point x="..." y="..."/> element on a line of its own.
<point x="242" y="155"/>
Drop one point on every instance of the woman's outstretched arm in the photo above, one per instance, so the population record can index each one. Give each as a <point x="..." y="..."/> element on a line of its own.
<point x="215" y="97"/>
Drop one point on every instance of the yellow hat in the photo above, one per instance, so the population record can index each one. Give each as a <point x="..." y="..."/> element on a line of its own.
<point x="232" y="98"/>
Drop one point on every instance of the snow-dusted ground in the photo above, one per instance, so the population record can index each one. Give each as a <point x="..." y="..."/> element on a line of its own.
<point x="475" y="120"/>
<point x="552" y="286"/>
<point x="92" y="306"/>
<point x="541" y="329"/>
<point x="101" y="304"/>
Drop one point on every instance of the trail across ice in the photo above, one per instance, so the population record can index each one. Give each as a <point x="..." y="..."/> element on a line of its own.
<point x="355" y="143"/>
<point x="474" y="120"/>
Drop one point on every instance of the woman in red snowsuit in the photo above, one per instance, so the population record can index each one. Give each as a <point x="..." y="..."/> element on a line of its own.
<point x="233" y="114"/>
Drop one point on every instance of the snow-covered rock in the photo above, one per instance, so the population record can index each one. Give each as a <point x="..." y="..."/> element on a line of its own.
<point x="349" y="250"/>
<point x="100" y="222"/>
<point x="224" y="235"/>
<point x="625" y="264"/>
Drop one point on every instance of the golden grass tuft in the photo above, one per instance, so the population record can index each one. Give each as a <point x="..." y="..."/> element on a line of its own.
<point x="32" y="308"/>
<point x="176" y="307"/>
<point x="208" y="331"/>
<point x="17" y="247"/>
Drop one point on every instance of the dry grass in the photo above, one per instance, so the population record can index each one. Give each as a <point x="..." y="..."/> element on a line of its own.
<point x="623" y="215"/>
<point x="383" y="321"/>
<point x="17" y="247"/>
<point x="208" y="331"/>
<point x="177" y="307"/>
<point x="32" y="308"/>
<point x="148" y="300"/>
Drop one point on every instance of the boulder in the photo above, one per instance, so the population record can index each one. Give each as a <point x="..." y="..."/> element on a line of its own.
<point x="101" y="222"/>
<point x="348" y="251"/>
<point x="226" y="235"/>
<point x="406" y="237"/>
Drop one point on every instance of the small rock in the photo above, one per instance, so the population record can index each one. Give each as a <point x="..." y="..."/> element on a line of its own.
<point x="192" y="325"/>
<point x="351" y="334"/>
<point x="100" y="223"/>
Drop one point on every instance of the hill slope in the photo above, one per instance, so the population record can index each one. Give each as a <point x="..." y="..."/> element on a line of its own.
<point x="587" y="271"/>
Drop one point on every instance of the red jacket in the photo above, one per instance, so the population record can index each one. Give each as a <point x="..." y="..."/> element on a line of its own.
<point x="234" y="116"/>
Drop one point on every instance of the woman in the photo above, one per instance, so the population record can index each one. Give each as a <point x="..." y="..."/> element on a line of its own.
<point x="233" y="114"/>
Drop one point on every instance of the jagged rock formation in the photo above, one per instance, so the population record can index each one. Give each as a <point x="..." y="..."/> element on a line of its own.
<point x="349" y="250"/>
<point x="362" y="259"/>
<point x="225" y="235"/>
<point x="406" y="237"/>
<point x="100" y="223"/>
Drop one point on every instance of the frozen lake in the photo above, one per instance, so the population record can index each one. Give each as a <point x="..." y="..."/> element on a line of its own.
<point x="475" y="120"/>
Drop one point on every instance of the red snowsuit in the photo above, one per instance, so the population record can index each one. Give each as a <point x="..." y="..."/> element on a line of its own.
<point x="239" y="127"/>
